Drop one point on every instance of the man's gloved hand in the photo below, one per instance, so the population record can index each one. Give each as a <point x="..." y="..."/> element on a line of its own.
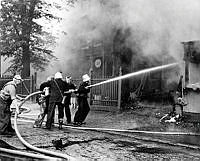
<point x="71" y="90"/>
<point x="88" y="87"/>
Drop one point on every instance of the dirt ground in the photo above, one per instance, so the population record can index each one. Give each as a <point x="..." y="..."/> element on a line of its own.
<point x="95" y="145"/>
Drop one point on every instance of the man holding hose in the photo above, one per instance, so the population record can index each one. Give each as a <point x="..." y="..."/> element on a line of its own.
<point x="8" y="100"/>
<point x="82" y="96"/>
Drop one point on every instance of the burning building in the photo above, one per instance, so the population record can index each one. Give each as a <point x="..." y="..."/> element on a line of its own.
<point x="114" y="35"/>
<point x="192" y="78"/>
<point x="106" y="57"/>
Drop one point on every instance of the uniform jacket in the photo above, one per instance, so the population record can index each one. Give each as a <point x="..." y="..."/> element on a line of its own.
<point x="82" y="91"/>
<point x="68" y="87"/>
<point x="56" y="95"/>
<point x="8" y="92"/>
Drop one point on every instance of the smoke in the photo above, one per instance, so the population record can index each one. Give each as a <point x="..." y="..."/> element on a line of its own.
<point x="162" y="25"/>
<point x="156" y="27"/>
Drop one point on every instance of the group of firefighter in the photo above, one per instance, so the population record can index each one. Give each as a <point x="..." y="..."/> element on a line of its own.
<point x="55" y="92"/>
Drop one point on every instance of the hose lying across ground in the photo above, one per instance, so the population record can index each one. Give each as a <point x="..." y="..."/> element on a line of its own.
<point x="95" y="129"/>
<point x="129" y="132"/>
<point x="43" y="151"/>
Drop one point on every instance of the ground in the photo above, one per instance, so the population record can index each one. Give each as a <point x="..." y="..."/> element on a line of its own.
<point x="109" y="145"/>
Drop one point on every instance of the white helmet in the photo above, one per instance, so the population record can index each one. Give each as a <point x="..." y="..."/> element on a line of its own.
<point x="68" y="79"/>
<point x="17" y="77"/>
<point x="58" y="75"/>
<point x="85" y="77"/>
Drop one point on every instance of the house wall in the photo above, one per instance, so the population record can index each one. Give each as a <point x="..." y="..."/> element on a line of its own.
<point x="194" y="73"/>
<point x="192" y="98"/>
<point x="192" y="76"/>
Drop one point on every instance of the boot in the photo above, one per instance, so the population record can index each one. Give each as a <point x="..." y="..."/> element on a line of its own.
<point x="60" y="124"/>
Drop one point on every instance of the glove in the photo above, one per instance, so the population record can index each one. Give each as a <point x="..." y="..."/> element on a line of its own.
<point x="88" y="87"/>
<point x="71" y="90"/>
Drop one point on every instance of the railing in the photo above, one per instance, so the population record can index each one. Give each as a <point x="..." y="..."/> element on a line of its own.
<point x="103" y="95"/>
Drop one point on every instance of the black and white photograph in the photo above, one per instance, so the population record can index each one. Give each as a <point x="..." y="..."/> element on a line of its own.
<point x="100" y="80"/>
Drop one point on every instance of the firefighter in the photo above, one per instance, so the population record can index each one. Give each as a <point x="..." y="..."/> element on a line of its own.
<point x="43" y="101"/>
<point x="83" y="106"/>
<point x="69" y="87"/>
<point x="57" y="87"/>
<point x="8" y="100"/>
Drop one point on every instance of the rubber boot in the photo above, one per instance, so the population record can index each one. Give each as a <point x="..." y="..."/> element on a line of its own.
<point x="60" y="124"/>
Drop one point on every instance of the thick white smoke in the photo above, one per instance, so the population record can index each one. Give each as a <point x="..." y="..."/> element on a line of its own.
<point x="156" y="26"/>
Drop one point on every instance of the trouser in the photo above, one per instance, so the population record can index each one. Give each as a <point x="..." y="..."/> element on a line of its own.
<point x="83" y="110"/>
<point x="41" y="116"/>
<point x="51" y="112"/>
<point x="5" y="116"/>
<point x="67" y="109"/>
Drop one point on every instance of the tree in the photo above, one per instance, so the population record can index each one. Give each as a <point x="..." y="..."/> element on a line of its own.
<point x="22" y="38"/>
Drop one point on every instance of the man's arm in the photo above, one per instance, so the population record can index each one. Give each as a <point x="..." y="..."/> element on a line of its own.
<point x="12" y="91"/>
<point x="43" y="85"/>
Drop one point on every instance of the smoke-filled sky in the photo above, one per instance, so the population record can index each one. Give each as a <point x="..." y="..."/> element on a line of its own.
<point x="155" y="26"/>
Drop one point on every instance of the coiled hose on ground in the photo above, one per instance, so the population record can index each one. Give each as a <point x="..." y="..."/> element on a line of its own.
<point x="43" y="151"/>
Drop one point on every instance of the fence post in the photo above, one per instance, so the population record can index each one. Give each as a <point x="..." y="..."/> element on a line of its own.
<point x="21" y="87"/>
<point x="31" y="85"/>
<point x="35" y="82"/>
<point x="91" y="75"/>
<point x="119" y="90"/>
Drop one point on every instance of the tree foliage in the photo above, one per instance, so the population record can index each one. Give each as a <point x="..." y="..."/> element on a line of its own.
<point x="22" y="38"/>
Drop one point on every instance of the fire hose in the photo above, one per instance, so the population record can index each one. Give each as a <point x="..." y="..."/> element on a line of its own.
<point x="92" y="129"/>
<point x="108" y="129"/>
<point x="47" y="152"/>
